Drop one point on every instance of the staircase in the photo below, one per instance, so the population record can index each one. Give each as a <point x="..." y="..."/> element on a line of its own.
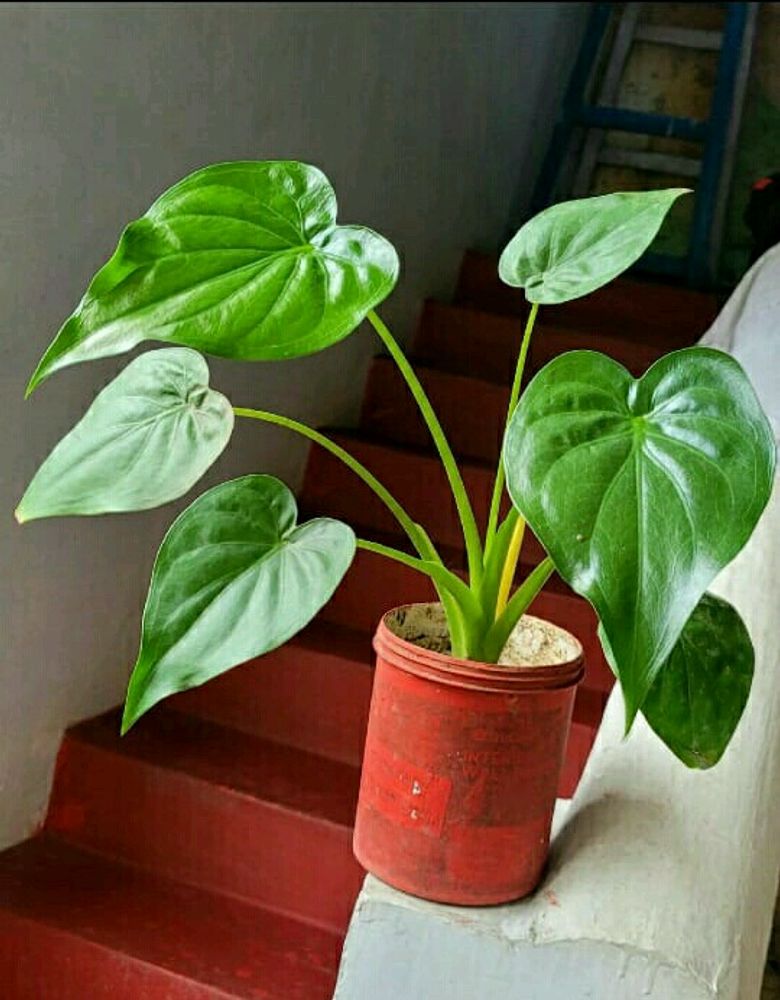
<point x="207" y="854"/>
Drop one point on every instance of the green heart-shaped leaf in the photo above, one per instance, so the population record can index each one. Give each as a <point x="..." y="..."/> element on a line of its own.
<point x="148" y="437"/>
<point x="234" y="578"/>
<point x="575" y="247"/>
<point x="641" y="489"/>
<point x="701" y="691"/>
<point x="243" y="260"/>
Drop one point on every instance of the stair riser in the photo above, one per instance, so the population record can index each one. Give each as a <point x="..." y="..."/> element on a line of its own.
<point x="550" y="342"/>
<point x="38" y="962"/>
<point x="204" y="834"/>
<point x="417" y="481"/>
<point x="472" y="412"/>
<point x="480" y="287"/>
<point x="228" y="708"/>
<point x="312" y="699"/>
<point x="445" y="338"/>
<point x="579" y="618"/>
<point x="484" y="346"/>
<point x="629" y="308"/>
<point x="375" y="585"/>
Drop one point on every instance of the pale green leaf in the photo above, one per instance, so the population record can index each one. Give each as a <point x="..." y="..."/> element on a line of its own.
<point x="147" y="438"/>
<point x="575" y="247"/>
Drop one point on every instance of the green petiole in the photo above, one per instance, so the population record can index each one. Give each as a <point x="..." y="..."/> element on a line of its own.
<point x="468" y="522"/>
<point x="440" y="575"/>
<point x="514" y="396"/>
<point x="416" y="534"/>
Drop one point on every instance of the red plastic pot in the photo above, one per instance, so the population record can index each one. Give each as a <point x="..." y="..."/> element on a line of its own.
<point x="461" y="769"/>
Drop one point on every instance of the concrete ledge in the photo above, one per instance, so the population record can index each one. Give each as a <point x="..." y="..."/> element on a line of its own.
<point x="661" y="883"/>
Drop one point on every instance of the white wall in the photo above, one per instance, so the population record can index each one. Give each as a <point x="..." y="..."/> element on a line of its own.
<point x="427" y="118"/>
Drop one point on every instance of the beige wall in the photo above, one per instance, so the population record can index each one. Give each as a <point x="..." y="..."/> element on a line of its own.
<point x="427" y="117"/>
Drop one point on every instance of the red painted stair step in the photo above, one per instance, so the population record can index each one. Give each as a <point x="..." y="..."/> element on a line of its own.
<point x="418" y="482"/>
<point x="312" y="693"/>
<point x="215" y="808"/>
<point x="628" y="307"/>
<point x="75" y="926"/>
<point x="469" y="342"/>
<point x="550" y="341"/>
<point x="472" y="411"/>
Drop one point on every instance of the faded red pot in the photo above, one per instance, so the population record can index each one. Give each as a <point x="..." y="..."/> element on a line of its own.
<point x="460" y="772"/>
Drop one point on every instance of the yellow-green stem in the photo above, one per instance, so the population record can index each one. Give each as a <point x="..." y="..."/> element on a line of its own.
<point x="510" y="566"/>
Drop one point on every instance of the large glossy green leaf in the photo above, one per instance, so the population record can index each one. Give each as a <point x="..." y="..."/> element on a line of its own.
<point x="575" y="247"/>
<point x="701" y="691"/>
<point x="640" y="490"/>
<point x="242" y="260"/>
<point x="234" y="578"/>
<point x="147" y="438"/>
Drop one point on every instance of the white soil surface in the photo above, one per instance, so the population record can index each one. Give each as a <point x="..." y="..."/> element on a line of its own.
<point x="533" y="643"/>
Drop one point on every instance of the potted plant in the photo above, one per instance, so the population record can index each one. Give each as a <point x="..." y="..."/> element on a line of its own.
<point x="640" y="491"/>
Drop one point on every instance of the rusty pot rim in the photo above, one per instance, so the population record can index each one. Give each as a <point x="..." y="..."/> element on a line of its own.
<point x="472" y="674"/>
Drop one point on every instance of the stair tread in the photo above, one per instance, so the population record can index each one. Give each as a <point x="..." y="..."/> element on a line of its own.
<point x="349" y="643"/>
<point x="239" y="949"/>
<point x="213" y="806"/>
<point x="293" y="779"/>
<point x="455" y="558"/>
<point x="472" y="410"/>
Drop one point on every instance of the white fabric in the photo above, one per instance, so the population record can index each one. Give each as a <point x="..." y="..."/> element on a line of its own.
<point x="749" y="329"/>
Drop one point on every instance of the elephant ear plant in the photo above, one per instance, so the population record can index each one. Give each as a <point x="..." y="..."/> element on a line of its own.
<point x="640" y="490"/>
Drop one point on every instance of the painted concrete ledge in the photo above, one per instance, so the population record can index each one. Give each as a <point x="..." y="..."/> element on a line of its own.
<point x="662" y="881"/>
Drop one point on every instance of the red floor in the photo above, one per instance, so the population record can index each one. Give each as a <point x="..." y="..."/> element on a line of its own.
<point x="207" y="854"/>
